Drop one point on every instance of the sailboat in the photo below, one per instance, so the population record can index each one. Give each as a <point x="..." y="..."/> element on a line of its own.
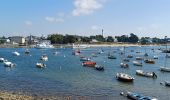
<point x="164" y="68"/>
<point x="123" y="64"/>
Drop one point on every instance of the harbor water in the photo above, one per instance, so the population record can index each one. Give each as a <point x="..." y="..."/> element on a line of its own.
<point x="65" y="76"/>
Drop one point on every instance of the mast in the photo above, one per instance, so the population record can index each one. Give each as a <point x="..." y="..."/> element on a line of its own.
<point x="166" y="51"/>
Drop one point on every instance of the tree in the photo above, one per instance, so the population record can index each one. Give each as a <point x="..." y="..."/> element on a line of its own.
<point x="56" y="38"/>
<point x="70" y="39"/>
<point x="110" y="39"/>
<point x="133" y="38"/>
<point x="100" y="38"/>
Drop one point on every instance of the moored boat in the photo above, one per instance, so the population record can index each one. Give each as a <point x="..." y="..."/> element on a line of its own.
<point x="136" y="96"/>
<point x="139" y="58"/>
<point x="98" y="67"/>
<point x="136" y="63"/>
<point x="146" y="74"/>
<point x="27" y="51"/>
<point x="44" y="58"/>
<point x="111" y="57"/>
<point x="167" y="83"/>
<point x="165" y="69"/>
<point x="124" y="77"/>
<point x="40" y="65"/>
<point x="89" y="64"/>
<point x="84" y="59"/>
<point x="9" y="64"/>
<point x="16" y="53"/>
<point x="2" y="59"/>
<point x="150" y="61"/>
<point x="124" y="65"/>
<point x="129" y="56"/>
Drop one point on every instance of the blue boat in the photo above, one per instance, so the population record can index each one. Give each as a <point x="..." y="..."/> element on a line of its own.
<point x="136" y="96"/>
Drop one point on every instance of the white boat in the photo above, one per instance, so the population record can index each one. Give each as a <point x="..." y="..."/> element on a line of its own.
<point x="80" y="46"/>
<point x="44" y="58"/>
<point x="136" y="63"/>
<point x="146" y="74"/>
<point x="8" y="64"/>
<point x="2" y="59"/>
<point x="155" y="57"/>
<point x="40" y="65"/>
<point x="124" y="77"/>
<point x="165" y="69"/>
<point x="167" y="83"/>
<point x="124" y="65"/>
<point x="44" y="45"/>
<point x="16" y="53"/>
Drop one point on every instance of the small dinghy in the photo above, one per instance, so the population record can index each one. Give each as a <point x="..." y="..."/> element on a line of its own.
<point x="146" y="55"/>
<point x="165" y="69"/>
<point x="2" y="59"/>
<point x="40" y="65"/>
<point x="139" y="58"/>
<point x="9" y="64"/>
<point x="167" y="83"/>
<point x="136" y="96"/>
<point x="84" y="59"/>
<point x="126" y="60"/>
<point x="129" y="56"/>
<point x="44" y="58"/>
<point x="16" y="53"/>
<point x="124" y="77"/>
<point x="111" y="56"/>
<point x="149" y="61"/>
<point x="27" y="51"/>
<point x="94" y="55"/>
<point x="99" y="68"/>
<point x="124" y="65"/>
<point x="155" y="57"/>
<point x="89" y="64"/>
<point x="146" y="74"/>
<point x="136" y="63"/>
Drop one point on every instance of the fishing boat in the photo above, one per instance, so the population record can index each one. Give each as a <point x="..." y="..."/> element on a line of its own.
<point x="150" y="61"/>
<point x="146" y="74"/>
<point x="139" y="58"/>
<point x="44" y="58"/>
<point x="40" y="65"/>
<point x="89" y="64"/>
<point x="9" y="64"/>
<point x="84" y="59"/>
<point x="136" y="96"/>
<point x="16" y="53"/>
<point x="124" y="77"/>
<point x="99" y="68"/>
<point x="136" y="63"/>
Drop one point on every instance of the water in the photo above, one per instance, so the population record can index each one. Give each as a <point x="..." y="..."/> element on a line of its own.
<point x="64" y="75"/>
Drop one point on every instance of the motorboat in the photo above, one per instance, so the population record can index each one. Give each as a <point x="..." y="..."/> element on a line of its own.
<point x="44" y="58"/>
<point x="126" y="60"/>
<point x="27" y="51"/>
<point x="89" y="64"/>
<point x="44" y="45"/>
<point x="155" y="57"/>
<point x="111" y="57"/>
<point x="76" y="52"/>
<point x="167" y="83"/>
<point x="130" y="56"/>
<point x="16" y="53"/>
<point x="2" y="59"/>
<point x="150" y="61"/>
<point x="136" y="96"/>
<point x="40" y="65"/>
<point x="139" y="58"/>
<point x="9" y="64"/>
<point x="98" y="67"/>
<point x="136" y="63"/>
<point x="124" y="65"/>
<point x="165" y="69"/>
<point x="146" y="54"/>
<point x="124" y="77"/>
<point x="84" y="59"/>
<point x="146" y="74"/>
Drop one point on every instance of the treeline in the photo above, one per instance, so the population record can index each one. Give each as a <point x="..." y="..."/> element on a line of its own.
<point x="64" y="39"/>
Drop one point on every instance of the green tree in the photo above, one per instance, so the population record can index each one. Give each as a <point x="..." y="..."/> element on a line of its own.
<point x="56" y="38"/>
<point x="110" y="39"/>
<point x="133" y="38"/>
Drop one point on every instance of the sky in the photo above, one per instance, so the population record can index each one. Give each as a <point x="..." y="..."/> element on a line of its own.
<point x="145" y="18"/>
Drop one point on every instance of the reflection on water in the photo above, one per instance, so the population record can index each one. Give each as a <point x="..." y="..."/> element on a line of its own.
<point x="64" y="74"/>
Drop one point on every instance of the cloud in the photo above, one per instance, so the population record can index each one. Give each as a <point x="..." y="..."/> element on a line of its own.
<point x="86" y="7"/>
<point x="28" y="23"/>
<point x="54" y="20"/>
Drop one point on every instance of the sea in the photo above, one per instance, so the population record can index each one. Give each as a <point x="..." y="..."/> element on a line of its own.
<point x="65" y="76"/>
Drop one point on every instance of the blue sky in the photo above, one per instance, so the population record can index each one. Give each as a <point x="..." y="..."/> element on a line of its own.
<point x="85" y="17"/>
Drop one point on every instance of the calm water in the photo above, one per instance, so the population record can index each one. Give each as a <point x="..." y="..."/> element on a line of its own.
<point x="64" y="75"/>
